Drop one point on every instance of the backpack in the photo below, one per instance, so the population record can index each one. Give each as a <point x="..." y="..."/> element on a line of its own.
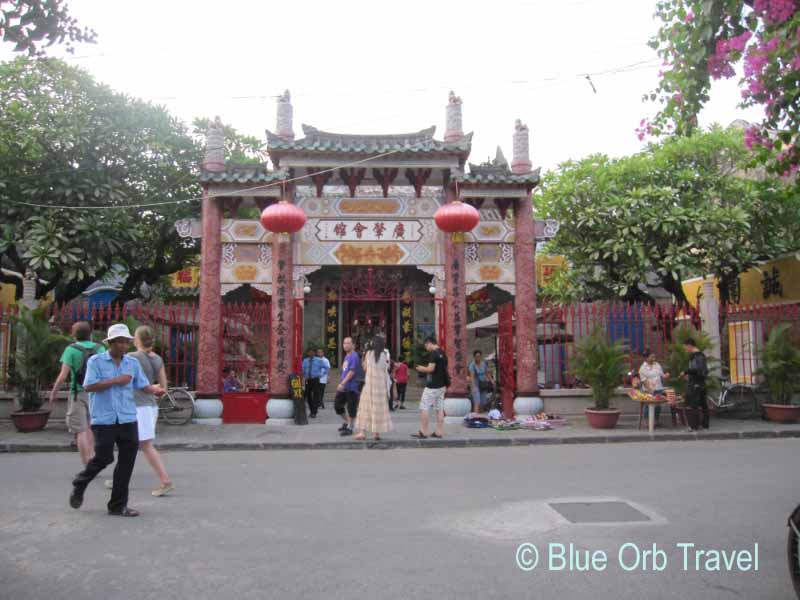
<point x="86" y="354"/>
<point x="447" y="380"/>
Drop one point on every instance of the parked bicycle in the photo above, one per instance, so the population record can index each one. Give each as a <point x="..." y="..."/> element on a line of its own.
<point x="176" y="407"/>
<point x="738" y="398"/>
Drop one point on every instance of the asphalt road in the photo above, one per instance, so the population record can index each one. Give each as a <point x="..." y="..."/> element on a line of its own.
<point x="404" y="524"/>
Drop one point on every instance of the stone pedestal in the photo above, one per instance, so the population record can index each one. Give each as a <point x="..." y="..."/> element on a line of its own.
<point x="455" y="409"/>
<point x="210" y="338"/>
<point x="207" y="410"/>
<point x="280" y="411"/>
<point x="709" y="315"/>
<point x="525" y="301"/>
<point x="527" y="405"/>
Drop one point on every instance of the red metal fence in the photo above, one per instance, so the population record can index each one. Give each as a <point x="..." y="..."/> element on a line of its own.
<point x="246" y="336"/>
<point x="246" y="330"/>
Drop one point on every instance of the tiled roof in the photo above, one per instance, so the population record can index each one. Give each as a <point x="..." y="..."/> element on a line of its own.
<point x="316" y="140"/>
<point x="255" y="173"/>
<point x="498" y="177"/>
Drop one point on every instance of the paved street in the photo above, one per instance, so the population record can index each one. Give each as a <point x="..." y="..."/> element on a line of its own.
<point x="399" y="523"/>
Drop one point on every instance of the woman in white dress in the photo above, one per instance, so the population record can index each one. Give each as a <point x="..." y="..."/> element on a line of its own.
<point x="373" y="406"/>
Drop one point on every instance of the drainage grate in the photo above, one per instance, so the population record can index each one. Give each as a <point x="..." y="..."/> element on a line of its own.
<point x="599" y="512"/>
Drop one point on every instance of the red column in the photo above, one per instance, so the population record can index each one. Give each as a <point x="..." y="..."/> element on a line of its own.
<point x="525" y="298"/>
<point x="281" y="352"/>
<point x="456" y="309"/>
<point x="210" y="342"/>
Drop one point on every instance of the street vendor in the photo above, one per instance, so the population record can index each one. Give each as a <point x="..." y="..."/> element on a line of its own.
<point x="652" y="376"/>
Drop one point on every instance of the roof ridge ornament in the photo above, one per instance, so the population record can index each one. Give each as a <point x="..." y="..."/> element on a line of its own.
<point x="521" y="161"/>
<point x="214" y="159"/>
<point x="454" y="129"/>
<point x="285" y="114"/>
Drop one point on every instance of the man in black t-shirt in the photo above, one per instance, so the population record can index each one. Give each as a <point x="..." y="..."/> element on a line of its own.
<point x="435" y="387"/>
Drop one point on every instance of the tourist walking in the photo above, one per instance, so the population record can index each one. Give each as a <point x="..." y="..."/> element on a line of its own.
<point x="147" y="407"/>
<point x="111" y="378"/>
<point x="323" y="377"/>
<point x="73" y="366"/>
<point x="436" y="384"/>
<point x="401" y="381"/>
<point x="696" y="375"/>
<point x="481" y="381"/>
<point x="346" y="403"/>
<point x="373" y="408"/>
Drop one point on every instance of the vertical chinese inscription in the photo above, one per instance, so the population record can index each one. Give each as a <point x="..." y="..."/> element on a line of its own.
<point x="332" y="327"/>
<point x="406" y="325"/>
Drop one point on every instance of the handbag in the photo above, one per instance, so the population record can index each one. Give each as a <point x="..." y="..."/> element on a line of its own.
<point x="485" y="386"/>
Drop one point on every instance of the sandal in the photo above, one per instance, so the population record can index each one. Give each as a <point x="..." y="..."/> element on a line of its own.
<point x="436" y="435"/>
<point x="419" y="435"/>
<point x="163" y="490"/>
<point x="360" y="437"/>
<point x="377" y="438"/>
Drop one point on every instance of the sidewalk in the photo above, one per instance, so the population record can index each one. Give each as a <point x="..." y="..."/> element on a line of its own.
<point x="322" y="434"/>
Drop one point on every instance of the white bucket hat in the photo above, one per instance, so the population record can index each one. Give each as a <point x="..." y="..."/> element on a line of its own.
<point x="120" y="330"/>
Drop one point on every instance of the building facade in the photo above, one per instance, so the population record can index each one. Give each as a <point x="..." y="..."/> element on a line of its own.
<point x="370" y="257"/>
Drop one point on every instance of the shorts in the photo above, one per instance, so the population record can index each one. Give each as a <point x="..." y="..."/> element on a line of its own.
<point x="146" y="417"/>
<point x="347" y="400"/>
<point x="432" y="398"/>
<point x="78" y="412"/>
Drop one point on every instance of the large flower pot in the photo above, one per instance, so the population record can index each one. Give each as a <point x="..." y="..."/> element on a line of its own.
<point x="602" y="419"/>
<point x="782" y="413"/>
<point x="25" y="422"/>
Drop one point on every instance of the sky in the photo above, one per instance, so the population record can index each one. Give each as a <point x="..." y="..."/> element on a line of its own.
<point x="381" y="67"/>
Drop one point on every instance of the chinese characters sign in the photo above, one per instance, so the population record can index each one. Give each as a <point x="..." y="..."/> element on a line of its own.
<point x="332" y="327"/>
<point x="281" y="294"/>
<point x="368" y="230"/>
<point x="406" y="326"/>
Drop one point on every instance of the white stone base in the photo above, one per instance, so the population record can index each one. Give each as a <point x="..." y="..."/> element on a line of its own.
<point x="216" y="421"/>
<point x="280" y="410"/>
<point x="456" y="409"/>
<point x="207" y="411"/>
<point x="275" y="422"/>
<point x="527" y="405"/>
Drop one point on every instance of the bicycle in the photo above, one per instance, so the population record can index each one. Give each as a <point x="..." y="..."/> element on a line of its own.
<point x="176" y="407"/>
<point x="736" y="398"/>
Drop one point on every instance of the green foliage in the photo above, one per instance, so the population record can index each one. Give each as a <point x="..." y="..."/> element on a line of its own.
<point x="29" y="24"/>
<point x="679" y="209"/>
<point x="678" y="358"/>
<point x="600" y="364"/>
<point x="780" y="363"/>
<point x="66" y="140"/>
<point x="36" y="361"/>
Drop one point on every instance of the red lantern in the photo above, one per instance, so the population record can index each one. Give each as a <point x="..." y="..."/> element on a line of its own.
<point x="283" y="218"/>
<point x="456" y="217"/>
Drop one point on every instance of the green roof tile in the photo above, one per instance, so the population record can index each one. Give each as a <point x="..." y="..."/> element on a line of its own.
<point x="255" y="173"/>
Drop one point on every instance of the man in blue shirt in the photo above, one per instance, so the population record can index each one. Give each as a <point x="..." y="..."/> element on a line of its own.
<point x="110" y="380"/>
<point x="312" y="370"/>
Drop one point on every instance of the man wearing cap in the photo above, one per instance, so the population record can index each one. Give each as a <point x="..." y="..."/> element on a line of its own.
<point x="110" y="380"/>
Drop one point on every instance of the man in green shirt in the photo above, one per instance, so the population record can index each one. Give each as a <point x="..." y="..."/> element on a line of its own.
<point x="73" y="361"/>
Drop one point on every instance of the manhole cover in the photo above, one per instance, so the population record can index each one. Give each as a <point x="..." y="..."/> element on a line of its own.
<point x="598" y="512"/>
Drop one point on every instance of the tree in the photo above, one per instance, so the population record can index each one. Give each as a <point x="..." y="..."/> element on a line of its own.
<point x="30" y="23"/>
<point x="682" y="208"/>
<point x="67" y="141"/>
<point x="701" y="40"/>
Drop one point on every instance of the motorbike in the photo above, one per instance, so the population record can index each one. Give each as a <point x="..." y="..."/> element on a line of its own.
<point x="793" y="548"/>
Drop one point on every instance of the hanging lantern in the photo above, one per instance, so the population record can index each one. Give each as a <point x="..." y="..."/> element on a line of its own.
<point x="456" y="218"/>
<point x="283" y="218"/>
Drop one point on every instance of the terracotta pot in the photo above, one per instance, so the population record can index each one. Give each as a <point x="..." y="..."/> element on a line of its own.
<point x="782" y="413"/>
<point x="26" y="422"/>
<point x="602" y="419"/>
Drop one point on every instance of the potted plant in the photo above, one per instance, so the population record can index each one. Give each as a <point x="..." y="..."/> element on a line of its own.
<point x="36" y="362"/>
<point x="780" y="366"/>
<point x="601" y="365"/>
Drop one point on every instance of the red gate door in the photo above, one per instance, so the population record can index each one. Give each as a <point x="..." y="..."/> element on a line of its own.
<point x="505" y="357"/>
